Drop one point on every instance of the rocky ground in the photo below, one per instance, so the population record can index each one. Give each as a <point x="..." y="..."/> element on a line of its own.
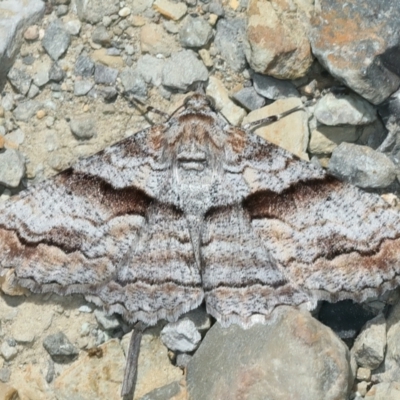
<point x="63" y="67"/>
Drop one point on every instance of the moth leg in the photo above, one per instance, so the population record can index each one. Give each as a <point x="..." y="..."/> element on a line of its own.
<point x="132" y="358"/>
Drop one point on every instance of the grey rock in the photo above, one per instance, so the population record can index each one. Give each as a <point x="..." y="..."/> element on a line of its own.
<point x="215" y="7"/>
<point x="42" y="77"/>
<point x="150" y="68"/>
<point x="183" y="359"/>
<point x="200" y="318"/>
<point x="83" y="126"/>
<point x="82" y="87"/>
<point x="62" y="10"/>
<point x="368" y="60"/>
<point x="50" y="374"/>
<point x="60" y="348"/>
<point x="15" y="17"/>
<point x="8" y="352"/>
<point x="370" y="345"/>
<point x="107" y="322"/>
<point x="348" y="109"/>
<point x="28" y="60"/>
<point x="181" y="336"/>
<point x="26" y="110"/>
<point x="56" y="73"/>
<point x="20" y="80"/>
<point x="384" y="391"/>
<point x="93" y="11"/>
<point x="105" y="75"/>
<point x="362" y="166"/>
<point x="73" y="27"/>
<point x="295" y="357"/>
<point x="107" y="93"/>
<point x="84" y="66"/>
<point x="101" y="36"/>
<point x="56" y="40"/>
<point x="183" y="69"/>
<point x="33" y="91"/>
<point x="249" y="98"/>
<point x="229" y="42"/>
<point x="5" y="374"/>
<point x="141" y="6"/>
<point x="273" y="88"/>
<point x="195" y="32"/>
<point x="133" y="82"/>
<point x="163" y="393"/>
<point x="7" y="102"/>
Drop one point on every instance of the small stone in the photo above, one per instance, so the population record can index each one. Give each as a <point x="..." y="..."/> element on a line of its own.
<point x="133" y="82"/>
<point x="363" y="374"/>
<point x="107" y="322"/>
<point x="101" y="36"/>
<point x="85" y="309"/>
<point x="183" y="69"/>
<point x="171" y="26"/>
<point x="249" y="99"/>
<point x="384" y="391"/>
<point x="233" y="113"/>
<point x="154" y="40"/>
<point x="8" y="352"/>
<point x="213" y="19"/>
<point x="169" y="9"/>
<point x="369" y="347"/>
<point x="170" y="391"/>
<point x="26" y="110"/>
<point x="206" y="57"/>
<point x="40" y="114"/>
<point x="62" y="10"/>
<point x="28" y="60"/>
<point x="84" y="66"/>
<point x="195" y="32"/>
<point x="93" y="11"/>
<point x="105" y="75"/>
<point x="183" y="359"/>
<point x="124" y="12"/>
<point x="33" y="91"/>
<point x="150" y="68"/>
<point x="56" y="40"/>
<point x="20" y="80"/>
<point x="42" y="77"/>
<point x="5" y="374"/>
<point x="82" y="87"/>
<point x="181" y="336"/>
<point x="32" y="33"/>
<point x="348" y="109"/>
<point x="59" y="347"/>
<point x="273" y="88"/>
<point x="56" y="73"/>
<point x="362" y="166"/>
<point x="362" y="388"/>
<point x="73" y="27"/>
<point x="83" y="127"/>
<point x="7" y="102"/>
<point x="85" y="329"/>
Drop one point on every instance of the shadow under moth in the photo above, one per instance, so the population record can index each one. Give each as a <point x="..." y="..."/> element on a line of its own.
<point x="195" y="210"/>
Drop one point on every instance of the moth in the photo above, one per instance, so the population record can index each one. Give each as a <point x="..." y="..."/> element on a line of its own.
<point x="195" y="210"/>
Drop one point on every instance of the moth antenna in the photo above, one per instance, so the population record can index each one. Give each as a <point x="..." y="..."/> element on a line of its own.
<point x="130" y="376"/>
<point x="273" y="118"/>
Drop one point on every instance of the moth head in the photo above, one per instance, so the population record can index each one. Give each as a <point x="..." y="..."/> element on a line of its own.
<point x="197" y="102"/>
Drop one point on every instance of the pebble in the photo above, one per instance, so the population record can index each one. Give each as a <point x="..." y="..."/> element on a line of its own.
<point x="181" y="336"/>
<point x="20" y="80"/>
<point x="56" y="73"/>
<point x="26" y="110"/>
<point x="83" y="127"/>
<point x="229" y="40"/>
<point x="167" y="392"/>
<point x="5" y="375"/>
<point x="363" y="374"/>
<point x="62" y="10"/>
<point x="124" y="12"/>
<point x="182" y="69"/>
<point x="249" y="98"/>
<point x="183" y="359"/>
<point x="154" y="40"/>
<point x="206" y="58"/>
<point x="32" y="33"/>
<point x="362" y="166"/>
<point x="107" y="322"/>
<point x="42" y="77"/>
<point x="56" y="40"/>
<point x="33" y="91"/>
<point x="7" y="102"/>
<point x="93" y="11"/>
<point x="8" y="352"/>
<point x="369" y="347"/>
<point x="59" y="347"/>
<point x="101" y="36"/>
<point x="40" y="114"/>
<point x="195" y="32"/>
<point x="150" y="68"/>
<point x="84" y="66"/>
<point x="105" y="75"/>
<point x="348" y="109"/>
<point x="169" y="9"/>
<point x="73" y="27"/>
<point x="82" y="87"/>
<point x="273" y="88"/>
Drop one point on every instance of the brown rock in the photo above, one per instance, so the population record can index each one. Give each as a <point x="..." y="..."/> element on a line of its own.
<point x="170" y="10"/>
<point x="154" y="40"/>
<point x="290" y="132"/>
<point x="32" y="33"/>
<point x="278" y="43"/>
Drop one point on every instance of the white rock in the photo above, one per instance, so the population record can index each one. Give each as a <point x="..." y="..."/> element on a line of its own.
<point x="181" y="336"/>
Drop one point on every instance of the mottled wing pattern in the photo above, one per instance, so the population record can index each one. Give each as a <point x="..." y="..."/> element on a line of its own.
<point x="299" y="235"/>
<point x="79" y="231"/>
